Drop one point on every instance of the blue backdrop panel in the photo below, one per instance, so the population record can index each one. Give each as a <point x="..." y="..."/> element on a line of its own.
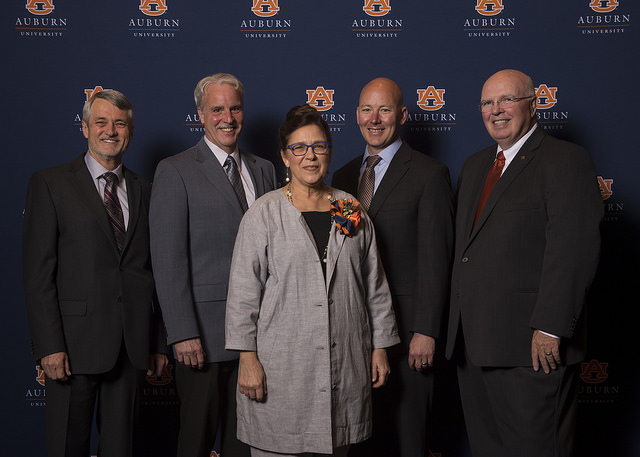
<point x="581" y="54"/>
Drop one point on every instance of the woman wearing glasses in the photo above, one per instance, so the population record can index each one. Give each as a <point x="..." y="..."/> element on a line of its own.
<point x="308" y="307"/>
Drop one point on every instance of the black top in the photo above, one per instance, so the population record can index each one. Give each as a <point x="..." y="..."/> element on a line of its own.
<point x="320" y="224"/>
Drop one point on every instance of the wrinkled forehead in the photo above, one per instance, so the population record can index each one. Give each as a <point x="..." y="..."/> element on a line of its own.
<point x="503" y="85"/>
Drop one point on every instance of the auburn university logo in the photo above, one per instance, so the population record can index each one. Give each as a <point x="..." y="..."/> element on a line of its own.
<point x="40" y="7"/>
<point x="604" y="6"/>
<point x="265" y="8"/>
<point x="605" y="187"/>
<point x="594" y="372"/>
<point x="376" y="7"/>
<point x="320" y="98"/>
<point x="489" y="7"/>
<point x="546" y="96"/>
<point x="430" y="99"/>
<point x="153" y="7"/>
<point x="91" y="92"/>
<point x="40" y="377"/>
<point x="165" y="378"/>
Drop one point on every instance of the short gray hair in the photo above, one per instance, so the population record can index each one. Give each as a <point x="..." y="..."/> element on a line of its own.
<point x="114" y="97"/>
<point x="219" y="79"/>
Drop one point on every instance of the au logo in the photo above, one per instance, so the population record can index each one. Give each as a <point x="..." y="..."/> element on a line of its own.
<point x="91" y="92"/>
<point x="489" y="7"/>
<point x="546" y="96"/>
<point x="320" y="98"/>
<point x="153" y="7"/>
<point x="40" y="377"/>
<point x="40" y="7"/>
<point x="165" y="378"/>
<point x="603" y="6"/>
<point x="376" y="7"/>
<point x="594" y="372"/>
<point x="605" y="187"/>
<point x="265" y="8"/>
<point x="430" y="99"/>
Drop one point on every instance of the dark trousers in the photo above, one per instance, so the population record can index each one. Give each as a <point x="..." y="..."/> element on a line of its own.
<point x="517" y="411"/>
<point x="400" y="411"/>
<point x="70" y="410"/>
<point x="208" y="399"/>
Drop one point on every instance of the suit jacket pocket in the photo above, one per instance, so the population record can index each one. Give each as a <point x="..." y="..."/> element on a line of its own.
<point x="73" y="307"/>
<point x="210" y="292"/>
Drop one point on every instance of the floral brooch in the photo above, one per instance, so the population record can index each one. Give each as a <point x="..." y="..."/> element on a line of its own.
<point x="346" y="213"/>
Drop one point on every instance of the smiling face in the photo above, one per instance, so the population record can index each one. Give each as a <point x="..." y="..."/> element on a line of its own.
<point x="507" y="125"/>
<point x="310" y="169"/>
<point x="108" y="131"/>
<point x="222" y="116"/>
<point x="380" y="114"/>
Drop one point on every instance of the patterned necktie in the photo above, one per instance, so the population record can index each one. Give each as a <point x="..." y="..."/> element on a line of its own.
<point x="114" y="210"/>
<point x="367" y="182"/>
<point x="231" y="168"/>
<point x="492" y="178"/>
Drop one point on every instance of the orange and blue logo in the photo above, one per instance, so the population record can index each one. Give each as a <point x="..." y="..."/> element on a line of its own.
<point x="165" y="378"/>
<point x="489" y="7"/>
<point x="604" y="6"/>
<point x="153" y="7"/>
<point x="546" y="96"/>
<point x="91" y="92"/>
<point x="376" y="7"/>
<point x="594" y="372"/>
<point x="40" y="7"/>
<point x="605" y="187"/>
<point x="431" y="99"/>
<point x="320" y="98"/>
<point x="265" y="8"/>
<point x="40" y="376"/>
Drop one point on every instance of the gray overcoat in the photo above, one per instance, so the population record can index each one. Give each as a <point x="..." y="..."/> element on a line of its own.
<point x="314" y="340"/>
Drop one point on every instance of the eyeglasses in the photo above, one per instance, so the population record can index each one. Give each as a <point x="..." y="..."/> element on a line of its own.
<point x="300" y="149"/>
<point x="487" y="105"/>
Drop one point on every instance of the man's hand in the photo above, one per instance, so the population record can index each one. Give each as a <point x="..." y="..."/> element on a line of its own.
<point x="421" y="351"/>
<point x="157" y="362"/>
<point x="252" y="380"/>
<point x="56" y="366"/>
<point x="545" y="352"/>
<point x="380" y="369"/>
<point x="190" y="353"/>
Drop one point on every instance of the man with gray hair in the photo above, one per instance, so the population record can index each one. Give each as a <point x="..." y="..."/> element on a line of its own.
<point x="88" y="286"/>
<point x="199" y="197"/>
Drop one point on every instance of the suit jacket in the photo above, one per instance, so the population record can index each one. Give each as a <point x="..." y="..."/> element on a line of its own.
<point x="532" y="255"/>
<point x="412" y="211"/>
<point x="82" y="296"/>
<point x="195" y="215"/>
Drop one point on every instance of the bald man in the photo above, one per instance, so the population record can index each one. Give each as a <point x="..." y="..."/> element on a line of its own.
<point x="527" y="246"/>
<point x="410" y="203"/>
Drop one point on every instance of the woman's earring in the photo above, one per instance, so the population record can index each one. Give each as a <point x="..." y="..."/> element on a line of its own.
<point x="287" y="179"/>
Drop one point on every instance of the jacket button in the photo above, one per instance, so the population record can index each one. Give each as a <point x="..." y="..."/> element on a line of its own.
<point x="465" y="259"/>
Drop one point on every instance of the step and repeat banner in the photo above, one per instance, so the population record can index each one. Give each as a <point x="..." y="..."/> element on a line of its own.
<point x="581" y="54"/>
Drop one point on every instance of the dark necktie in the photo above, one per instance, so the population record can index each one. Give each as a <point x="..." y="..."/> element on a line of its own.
<point x="492" y="178"/>
<point x="231" y="168"/>
<point x="367" y="182"/>
<point x="114" y="210"/>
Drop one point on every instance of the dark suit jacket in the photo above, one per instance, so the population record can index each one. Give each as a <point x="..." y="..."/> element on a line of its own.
<point x="82" y="296"/>
<point x="412" y="212"/>
<point x="195" y="216"/>
<point x="532" y="255"/>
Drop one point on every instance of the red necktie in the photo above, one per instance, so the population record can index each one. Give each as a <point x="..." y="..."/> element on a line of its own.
<point x="492" y="179"/>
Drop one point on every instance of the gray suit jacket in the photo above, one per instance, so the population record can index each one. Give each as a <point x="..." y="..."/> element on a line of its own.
<point x="194" y="219"/>
<point x="529" y="261"/>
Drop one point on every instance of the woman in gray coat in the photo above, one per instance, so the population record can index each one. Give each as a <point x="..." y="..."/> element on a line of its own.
<point x="308" y="307"/>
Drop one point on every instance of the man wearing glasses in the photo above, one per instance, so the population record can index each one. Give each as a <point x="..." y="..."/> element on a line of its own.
<point x="527" y="246"/>
<point x="408" y="197"/>
<point x="198" y="199"/>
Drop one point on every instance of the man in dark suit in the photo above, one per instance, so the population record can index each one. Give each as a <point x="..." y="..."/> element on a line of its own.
<point x="198" y="199"/>
<point x="89" y="288"/>
<point x="526" y="252"/>
<point x="408" y="197"/>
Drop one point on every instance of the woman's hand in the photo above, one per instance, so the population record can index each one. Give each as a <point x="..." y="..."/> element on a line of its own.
<point x="380" y="369"/>
<point x="252" y="381"/>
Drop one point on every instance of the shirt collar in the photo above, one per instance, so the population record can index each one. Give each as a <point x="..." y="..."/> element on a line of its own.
<point x="222" y="155"/>
<point x="97" y="170"/>
<point x="387" y="153"/>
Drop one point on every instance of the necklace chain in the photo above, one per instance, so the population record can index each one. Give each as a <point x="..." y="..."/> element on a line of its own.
<point x="289" y="195"/>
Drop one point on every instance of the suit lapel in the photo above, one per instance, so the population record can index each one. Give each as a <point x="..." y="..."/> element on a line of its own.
<point x="256" y="173"/>
<point x="397" y="169"/>
<point x="134" y="195"/>
<point x="86" y="188"/>
<point x="214" y="172"/>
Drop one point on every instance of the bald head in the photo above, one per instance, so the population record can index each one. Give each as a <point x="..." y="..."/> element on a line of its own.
<point x="380" y="114"/>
